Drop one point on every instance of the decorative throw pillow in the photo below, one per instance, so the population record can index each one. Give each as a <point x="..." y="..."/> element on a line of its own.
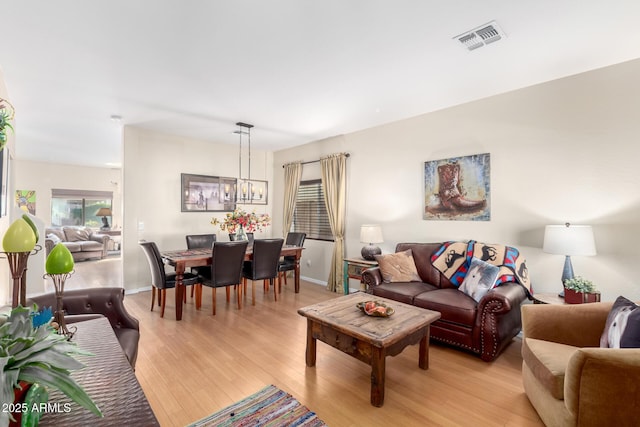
<point x="54" y="238"/>
<point x="622" y="329"/>
<point x="398" y="267"/>
<point x="479" y="279"/>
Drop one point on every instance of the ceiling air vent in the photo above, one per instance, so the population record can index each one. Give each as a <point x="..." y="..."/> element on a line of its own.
<point x="481" y="36"/>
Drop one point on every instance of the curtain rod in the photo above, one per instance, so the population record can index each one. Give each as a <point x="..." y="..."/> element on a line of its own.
<point x="313" y="161"/>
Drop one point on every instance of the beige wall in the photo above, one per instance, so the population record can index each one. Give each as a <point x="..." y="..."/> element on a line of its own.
<point x="152" y="166"/>
<point x="562" y="151"/>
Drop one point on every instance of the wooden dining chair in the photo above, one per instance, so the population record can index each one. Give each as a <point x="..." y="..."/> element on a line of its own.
<point x="226" y="270"/>
<point x="161" y="280"/>
<point x="199" y="241"/>
<point x="288" y="263"/>
<point x="264" y="264"/>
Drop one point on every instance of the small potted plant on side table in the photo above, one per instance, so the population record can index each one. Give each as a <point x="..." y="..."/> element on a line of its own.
<point x="578" y="290"/>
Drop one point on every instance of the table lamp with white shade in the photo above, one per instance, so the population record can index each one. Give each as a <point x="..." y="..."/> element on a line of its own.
<point x="569" y="240"/>
<point x="370" y="233"/>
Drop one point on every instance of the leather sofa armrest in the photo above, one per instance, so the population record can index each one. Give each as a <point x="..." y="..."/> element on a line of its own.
<point x="579" y="325"/>
<point x="372" y="277"/>
<point x="105" y="301"/>
<point x="601" y="384"/>
<point x="504" y="298"/>
<point x="101" y="238"/>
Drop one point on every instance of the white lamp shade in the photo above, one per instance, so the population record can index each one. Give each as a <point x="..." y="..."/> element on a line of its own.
<point x="569" y="240"/>
<point x="371" y="233"/>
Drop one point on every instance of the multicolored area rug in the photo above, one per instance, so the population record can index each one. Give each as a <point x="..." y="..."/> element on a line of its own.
<point x="269" y="407"/>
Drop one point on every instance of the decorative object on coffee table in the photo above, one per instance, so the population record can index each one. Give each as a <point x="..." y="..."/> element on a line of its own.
<point x="59" y="267"/>
<point x="370" y="234"/>
<point x="568" y="240"/>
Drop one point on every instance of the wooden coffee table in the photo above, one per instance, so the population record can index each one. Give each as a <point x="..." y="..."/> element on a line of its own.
<point x="340" y="324"/>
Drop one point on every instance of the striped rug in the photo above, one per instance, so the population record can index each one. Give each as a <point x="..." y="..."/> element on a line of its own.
<point x="269" y="407"/>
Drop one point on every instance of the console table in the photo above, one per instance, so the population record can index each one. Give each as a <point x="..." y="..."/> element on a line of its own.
<point x="107" y="378"/>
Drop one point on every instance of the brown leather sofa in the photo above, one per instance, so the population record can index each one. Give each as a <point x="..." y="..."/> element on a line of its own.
<point x="483" y="328"/>
<point x="85" y="304"/>
<point x="82" y="242"/>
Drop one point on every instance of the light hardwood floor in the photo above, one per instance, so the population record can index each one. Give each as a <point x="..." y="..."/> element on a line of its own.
<point x="192" y="368"/>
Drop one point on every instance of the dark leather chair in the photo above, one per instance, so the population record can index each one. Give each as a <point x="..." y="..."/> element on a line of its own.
<point x="225" y="271"/>
<point x="200" y="240"/>
<point x="161" y="280"/>
<point x="197" y="241"/>
<point x="288" y="263"/>
<point x="264" y="263"/>
<point x="86" y="304"/>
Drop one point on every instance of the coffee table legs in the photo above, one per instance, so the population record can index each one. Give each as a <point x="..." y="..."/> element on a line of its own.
<point x="311" y="345"/>
<point x="377" y="358"/>
<point x="378" y="367"/>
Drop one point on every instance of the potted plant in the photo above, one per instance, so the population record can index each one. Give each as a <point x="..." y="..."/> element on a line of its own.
<point x="6" y="115"/>
<point x="34" y="357"/>
<point x="578" y="290"/>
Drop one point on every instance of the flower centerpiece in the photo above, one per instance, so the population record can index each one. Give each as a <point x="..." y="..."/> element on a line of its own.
<point x="239" y="219"/>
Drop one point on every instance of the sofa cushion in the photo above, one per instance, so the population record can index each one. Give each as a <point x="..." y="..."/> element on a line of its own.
<point x="90" y="246"/>
<point x="76" y="234"/>
<point x="479" y="279"/>
<point x="73" y="246"/>
<point x="622" y="329"/>
<point x="453" y="305"/>
<point x="403" y="292"/>
<point x="398" y="267"/>
<point x="548" y="361"/>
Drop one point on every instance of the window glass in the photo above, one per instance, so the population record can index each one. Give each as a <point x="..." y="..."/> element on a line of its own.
<point x="73" y="207"/>
<point x="310" y="215"/>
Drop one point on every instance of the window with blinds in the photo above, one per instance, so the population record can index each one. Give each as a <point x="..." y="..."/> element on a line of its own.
<point x="310" y="215"/>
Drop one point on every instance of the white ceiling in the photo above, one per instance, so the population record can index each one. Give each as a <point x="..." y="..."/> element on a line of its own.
<point x="298" y="70"/>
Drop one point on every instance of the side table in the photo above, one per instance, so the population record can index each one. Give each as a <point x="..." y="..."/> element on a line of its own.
<point x="353" y="268"/>
<point x="548" y="298"/>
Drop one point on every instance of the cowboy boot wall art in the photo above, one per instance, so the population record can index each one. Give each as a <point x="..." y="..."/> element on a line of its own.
<point x="451" y="195"/>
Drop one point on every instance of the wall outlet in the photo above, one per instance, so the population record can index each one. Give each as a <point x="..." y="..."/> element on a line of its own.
<point x="308" y="263"/>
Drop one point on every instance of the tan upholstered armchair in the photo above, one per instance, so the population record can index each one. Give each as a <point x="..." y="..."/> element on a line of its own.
<point x="569" y="380"/>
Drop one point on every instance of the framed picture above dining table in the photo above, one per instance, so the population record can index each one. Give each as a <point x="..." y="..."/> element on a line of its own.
<point x="204" y="193"/>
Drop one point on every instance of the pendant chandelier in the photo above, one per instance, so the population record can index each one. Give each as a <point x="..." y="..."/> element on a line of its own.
<point x="248" y="191"/>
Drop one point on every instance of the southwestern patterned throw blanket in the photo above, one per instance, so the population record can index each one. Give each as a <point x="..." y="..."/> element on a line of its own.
<point x="453" y="260"/>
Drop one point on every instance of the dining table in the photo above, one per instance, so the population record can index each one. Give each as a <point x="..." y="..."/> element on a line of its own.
<point x="182" y="259"/>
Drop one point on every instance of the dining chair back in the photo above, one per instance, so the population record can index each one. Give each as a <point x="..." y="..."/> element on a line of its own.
<point x="200" y="241"/>
<point x="264" y="262"/>
<point x="195" y="241"/>
<point x="160" y="280"/>
<point x="288" y="263"/>
<point x="226" y="270"/>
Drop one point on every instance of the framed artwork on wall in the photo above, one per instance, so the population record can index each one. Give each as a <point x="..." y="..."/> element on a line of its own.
<point x="203" y="193"/>
<point x="26" y="200"/>
<point x="458" y="188"/>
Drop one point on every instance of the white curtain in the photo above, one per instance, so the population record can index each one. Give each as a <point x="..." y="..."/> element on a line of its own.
<point x="292" y="175"/>
<point x="334" y="181"/>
